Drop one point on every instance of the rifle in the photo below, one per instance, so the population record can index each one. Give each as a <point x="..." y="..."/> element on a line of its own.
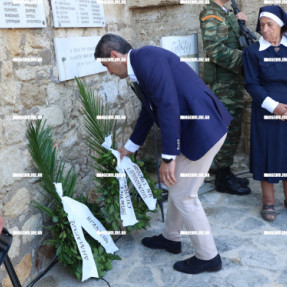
<point x="246" y="36"/>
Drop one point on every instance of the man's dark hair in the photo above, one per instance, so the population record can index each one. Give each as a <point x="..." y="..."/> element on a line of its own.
<point x="111" y="42"/>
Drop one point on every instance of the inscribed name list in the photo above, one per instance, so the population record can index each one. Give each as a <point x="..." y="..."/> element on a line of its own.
<point x="75" y="57"/>
<point x="183" y="46"/>
<point x="77" y="13"/>
<point x="22" y="14"/>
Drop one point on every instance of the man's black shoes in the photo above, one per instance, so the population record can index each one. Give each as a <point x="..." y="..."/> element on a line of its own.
<point x="194" y="265"/>
<point x="226" y="181"/>
<point x="159" y="242"/>
<point x="191" y="265"/>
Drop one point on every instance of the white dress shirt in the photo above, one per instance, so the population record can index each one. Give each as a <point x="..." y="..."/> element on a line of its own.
<point x="269" y="104"/>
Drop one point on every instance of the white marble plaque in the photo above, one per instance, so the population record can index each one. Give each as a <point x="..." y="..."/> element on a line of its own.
<point x="184" y="47"/>
<point x="22" y="14"/>
<point x="75" y="57"/>
<point x="78" y="13"/>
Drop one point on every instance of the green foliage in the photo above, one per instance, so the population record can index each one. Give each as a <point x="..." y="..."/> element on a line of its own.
<point x="105" y="162"/>
<point x="44" y="158"/>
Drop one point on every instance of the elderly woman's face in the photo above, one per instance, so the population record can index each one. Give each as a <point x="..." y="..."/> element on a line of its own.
<point x="270" y="29"/>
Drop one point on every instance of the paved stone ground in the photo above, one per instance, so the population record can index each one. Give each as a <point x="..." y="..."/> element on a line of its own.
<point x="250" y="258"/>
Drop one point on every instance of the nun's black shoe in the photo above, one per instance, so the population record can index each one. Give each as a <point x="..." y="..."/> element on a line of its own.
<point x="159" y="242"/>
<point x="194" y="265"/>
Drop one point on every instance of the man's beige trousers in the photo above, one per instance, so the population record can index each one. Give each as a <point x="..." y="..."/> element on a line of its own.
<point x="184" y="207"/>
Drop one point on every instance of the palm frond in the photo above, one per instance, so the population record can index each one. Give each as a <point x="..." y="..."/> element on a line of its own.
<point x="97" y="127"/>
<point x="44" y="157"/>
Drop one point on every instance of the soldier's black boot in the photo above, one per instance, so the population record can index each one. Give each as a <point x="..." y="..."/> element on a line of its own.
<point x="242" y="181"/>
<point x="226" y="181"/>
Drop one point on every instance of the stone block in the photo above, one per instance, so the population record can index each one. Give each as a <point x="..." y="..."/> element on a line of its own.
<point x="18" y="204"/>
<point x="25" y="74"/>
<point x="248" y="278"/>
<point x="14" y="250"/>
<point x="7" y="69"/>
<point x="54" y="115"/>
<point x="32" y="96"/>
<point x="1" y="133"/>
<point x="23" y="270"/>
<point x="9" y="91"/>
<point x="8" y="155"/>
<point x="35" y="41"/>
<point x="14" y="42"/>
<point x="70" y="139"/>
<point x="45" y="55"/>
<point x="259" y="258"/>
<point x="109" y="91"/>
<point x="13" y="131"/>
<point x="32" y="224"/>
<point x="152" y="3"/>
<point x="142" y="274"/>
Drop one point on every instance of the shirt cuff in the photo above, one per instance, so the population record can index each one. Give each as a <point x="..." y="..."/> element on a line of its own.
<point x="269" y="104"/>
<point x="130" y="146"/>
<point x="167" y="156"/>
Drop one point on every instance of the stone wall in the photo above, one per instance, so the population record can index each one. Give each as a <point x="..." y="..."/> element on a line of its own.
<point x="33" y="88"/>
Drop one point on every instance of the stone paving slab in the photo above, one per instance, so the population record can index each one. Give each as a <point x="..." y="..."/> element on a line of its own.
<point x="250" y="257"/>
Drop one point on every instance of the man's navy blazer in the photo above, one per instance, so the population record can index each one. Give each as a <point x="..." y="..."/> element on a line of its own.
<point x="172" y="89"/>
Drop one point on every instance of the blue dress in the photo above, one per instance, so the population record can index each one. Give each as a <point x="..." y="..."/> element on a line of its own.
<point x="268" y="150"/>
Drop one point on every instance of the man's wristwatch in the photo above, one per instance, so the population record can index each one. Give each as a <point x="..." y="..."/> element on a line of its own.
<point x="167" y="160"/>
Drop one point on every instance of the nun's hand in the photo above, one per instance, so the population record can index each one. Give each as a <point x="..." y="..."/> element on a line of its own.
<point x="242" y="16"/>
<point x="281" y="110"/>
<point x="284" y="117"/>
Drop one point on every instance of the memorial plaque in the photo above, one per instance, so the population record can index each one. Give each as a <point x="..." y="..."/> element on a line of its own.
<point x="78" y="13"/>
<point x="22" y="14"/>
<point x="184" y="47"/>
<point x="75" y="57"/>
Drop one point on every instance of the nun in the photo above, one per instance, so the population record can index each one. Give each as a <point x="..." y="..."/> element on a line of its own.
<point x="265" y="70"/>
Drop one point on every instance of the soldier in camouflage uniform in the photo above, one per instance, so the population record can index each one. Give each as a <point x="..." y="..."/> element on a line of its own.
<point x="224" y="75"/>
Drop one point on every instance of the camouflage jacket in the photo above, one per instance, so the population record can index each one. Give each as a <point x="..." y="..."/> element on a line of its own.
<point x="220" y="34"/>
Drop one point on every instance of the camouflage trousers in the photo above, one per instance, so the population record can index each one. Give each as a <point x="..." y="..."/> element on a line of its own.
<point x="231" y="95"/>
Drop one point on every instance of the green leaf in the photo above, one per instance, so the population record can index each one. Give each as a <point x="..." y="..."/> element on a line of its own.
<point x="55" y="219"/>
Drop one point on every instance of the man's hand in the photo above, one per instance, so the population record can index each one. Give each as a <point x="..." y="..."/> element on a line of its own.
<point x="123" y="151"/>
<point x="167" y="173"/>
<point x="1" y="224"/>
<point x="280" y="110"/>
<point x="242" y="16"/>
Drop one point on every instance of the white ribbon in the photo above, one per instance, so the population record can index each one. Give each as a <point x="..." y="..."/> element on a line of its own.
<point x="136" y="176"/>
<point x="126" y="207"/>
<point x="80" y="217"/>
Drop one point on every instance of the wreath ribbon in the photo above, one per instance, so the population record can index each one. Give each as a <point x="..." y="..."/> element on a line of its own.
<point x="80" y="216"/>
<point x="136" y="176"/>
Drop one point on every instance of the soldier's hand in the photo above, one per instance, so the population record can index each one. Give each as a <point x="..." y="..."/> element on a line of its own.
<point x="167" y="173"/>
<point x="242" y="16"/>
<point x="124" y="152"/>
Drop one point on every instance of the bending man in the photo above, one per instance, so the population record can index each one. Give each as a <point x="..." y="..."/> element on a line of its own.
<point x="175" y="98"/>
